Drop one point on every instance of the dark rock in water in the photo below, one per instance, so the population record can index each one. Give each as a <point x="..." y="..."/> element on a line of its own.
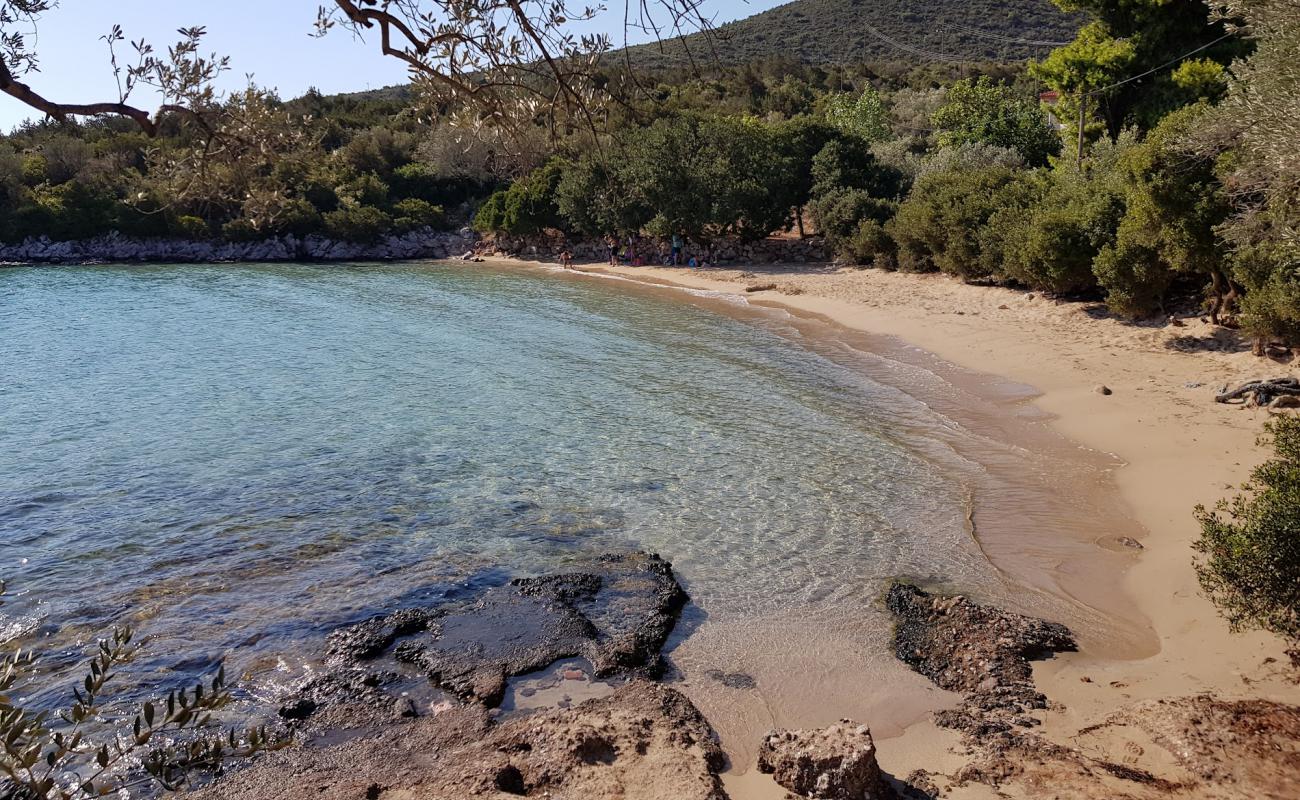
<point x="617" y="614"/>
<point x="966" y="647"/>
<point x="299" y="709"/>
<point x="835" y="763"/>
<point x="733" y="680"/>
<point x="984" y="653"/>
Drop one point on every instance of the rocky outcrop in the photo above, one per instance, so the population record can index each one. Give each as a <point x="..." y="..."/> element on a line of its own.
<point x="979" y="651"/>
<point x="424" y="243"/>
<point x="643" y="742"/>
<point x="362" y="736"/>
<point x="835" y="763"/>
<point x="616" y="613"/>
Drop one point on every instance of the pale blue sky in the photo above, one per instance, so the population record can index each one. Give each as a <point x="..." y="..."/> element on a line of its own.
<point x="268" y="38"/>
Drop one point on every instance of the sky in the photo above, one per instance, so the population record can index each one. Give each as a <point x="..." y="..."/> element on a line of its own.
<point x="271" y="39"/>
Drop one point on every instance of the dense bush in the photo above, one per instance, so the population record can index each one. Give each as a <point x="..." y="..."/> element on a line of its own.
<point x="413" y="214"/>
<point x="528" y="206"/>
<point x="1249" y="546"/>
<point x="938" y="226"/>
<point x="1055" y="234"/>
<point x="982" y="111"/>
<point x="189" y="227"/>
<point x="850" y="188"/>
<point x="871" y="245"/>
<point x="1173" y="206"/>
<point x="358" y="224"/>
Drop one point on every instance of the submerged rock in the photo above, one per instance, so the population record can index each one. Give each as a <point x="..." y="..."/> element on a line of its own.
<point x="836" y="763"/>
<point x="617" y="613"/>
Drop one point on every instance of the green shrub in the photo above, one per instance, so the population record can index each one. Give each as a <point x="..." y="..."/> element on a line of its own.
<point x="869" y="244"/>
<point x="298" y="217"/>
<point x="528" y="207"/>
<point x="491" y="216"/>
<point x="241" y="230"/>
<point x="189" y="227"/>
<point x="413" y="214"/>
<point x="71" y="211"/>
<point x="1249" y="547"/>
<point x="992" y="113"/>
<point x="841" y="211"/>
<point x="364" y="224"/>
<point x="35" y="169"/>
<point x="1173" y="204"/>
<point x="1053" y="250"/>
<point x="1271" y="306"/>
<point x="365" y="190"/>
<point x="1053" y="234"/>
<point x="1134" y="277"/>
<point x="940" y="224"/>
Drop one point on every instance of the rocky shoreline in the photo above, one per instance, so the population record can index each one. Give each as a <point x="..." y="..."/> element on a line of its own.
<point x="425" y="243"/>
<point x="360" y="736"/>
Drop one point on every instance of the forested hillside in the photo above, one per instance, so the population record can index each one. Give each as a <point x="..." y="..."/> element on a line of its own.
<point x="836" y="31"/>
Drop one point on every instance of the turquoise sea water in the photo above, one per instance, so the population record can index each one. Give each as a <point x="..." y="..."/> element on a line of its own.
<point x="236" y="459"/>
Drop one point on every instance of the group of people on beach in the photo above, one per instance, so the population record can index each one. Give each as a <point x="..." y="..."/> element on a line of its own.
<point x="630" y="252"/>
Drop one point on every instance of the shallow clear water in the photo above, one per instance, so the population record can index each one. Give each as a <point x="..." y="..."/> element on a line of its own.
<point x="237" y="459"/>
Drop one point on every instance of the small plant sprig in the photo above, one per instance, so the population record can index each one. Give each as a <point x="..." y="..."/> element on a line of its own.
<point x="54" y="757"/>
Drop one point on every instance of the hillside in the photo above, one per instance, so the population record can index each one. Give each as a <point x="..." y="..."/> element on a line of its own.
<point x="846" y="31"/>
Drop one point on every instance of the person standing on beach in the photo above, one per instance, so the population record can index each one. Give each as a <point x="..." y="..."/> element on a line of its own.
<point x="677" y="249"/>
<point x="566" y="258"/>
<point x="611" y="244"/>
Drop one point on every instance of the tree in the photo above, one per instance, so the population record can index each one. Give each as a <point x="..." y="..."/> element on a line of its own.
<point x="798" y="141"/>
<point x="1249" y="546"/>
<point x="502" y="61"/>
<point x="1252" y="135"/>
<point x="598" y="198"/>
<point x="863" y="116"/>
<point x="1130" y="38"/>
<point x="529" y="206"/>
<point x="980" y="110"/>
<point x="1173" y="205"/>
<point x="850" y="188"/>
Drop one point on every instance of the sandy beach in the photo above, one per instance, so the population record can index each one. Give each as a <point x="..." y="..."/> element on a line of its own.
<point x="1178" y="447"/>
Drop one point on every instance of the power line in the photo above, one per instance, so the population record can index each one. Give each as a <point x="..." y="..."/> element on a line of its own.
<point x="999" y="38"/>
<point x="1157" y="69"/>
<point x="912" y="49"/>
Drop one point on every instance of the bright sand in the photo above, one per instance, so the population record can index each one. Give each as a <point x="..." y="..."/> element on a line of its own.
<point x="1179" y="448"/>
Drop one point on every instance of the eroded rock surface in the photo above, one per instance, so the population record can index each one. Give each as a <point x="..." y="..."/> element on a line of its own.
<point x="1188" y="747"/>
<point x="616" y="613"/>
<point x="835" y="763"/>
<point x="643" y="742"/>
<point x="980" y="651"/>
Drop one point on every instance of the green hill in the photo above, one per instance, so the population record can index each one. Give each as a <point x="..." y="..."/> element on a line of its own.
<point x="849" y="31"/>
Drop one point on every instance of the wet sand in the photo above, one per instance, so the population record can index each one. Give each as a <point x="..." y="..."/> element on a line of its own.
<point x="1169" y="445"/>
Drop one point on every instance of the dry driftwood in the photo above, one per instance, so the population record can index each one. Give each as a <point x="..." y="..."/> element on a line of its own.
<point x="1259" y="392"/>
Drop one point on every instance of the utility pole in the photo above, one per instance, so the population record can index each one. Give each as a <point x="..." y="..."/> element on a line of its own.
<point x="1083" y="110"/>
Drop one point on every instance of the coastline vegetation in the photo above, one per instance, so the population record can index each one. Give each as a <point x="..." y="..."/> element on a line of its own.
<point x="1250" y="552"/>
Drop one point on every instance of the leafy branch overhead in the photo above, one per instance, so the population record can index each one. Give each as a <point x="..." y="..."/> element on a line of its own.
<point x="503" y="62"/>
